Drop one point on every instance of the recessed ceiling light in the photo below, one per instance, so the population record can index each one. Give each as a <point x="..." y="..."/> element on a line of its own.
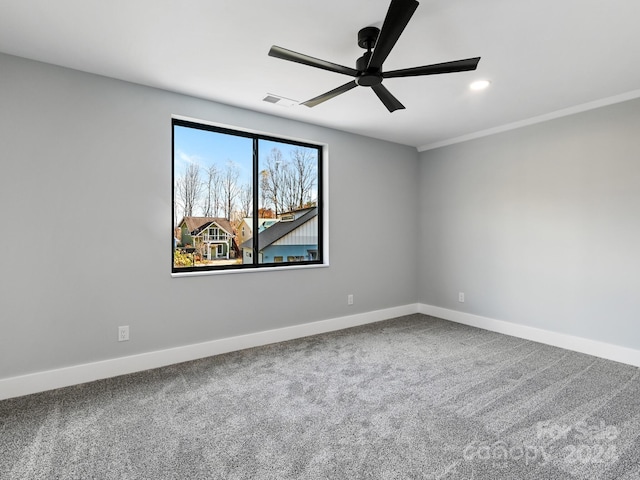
<point x="480" y="85"/>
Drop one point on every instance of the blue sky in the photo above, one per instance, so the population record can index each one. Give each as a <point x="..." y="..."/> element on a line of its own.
<point x="204" y="148"/>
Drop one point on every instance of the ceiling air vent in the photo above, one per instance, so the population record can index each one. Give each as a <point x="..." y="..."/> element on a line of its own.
<point x="278" y="100"/>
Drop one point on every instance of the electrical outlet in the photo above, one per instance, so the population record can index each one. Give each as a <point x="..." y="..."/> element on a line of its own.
<point x="461" y="297"/>
<point x="350" y="299"/>
<point x="123" y="333"/>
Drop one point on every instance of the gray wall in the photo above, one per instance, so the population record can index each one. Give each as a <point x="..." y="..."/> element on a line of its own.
<point x="539" y="226"/>
<point x="85" y="203"/>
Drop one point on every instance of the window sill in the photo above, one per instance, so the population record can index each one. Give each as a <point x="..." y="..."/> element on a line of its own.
<point x="246" y="270"/>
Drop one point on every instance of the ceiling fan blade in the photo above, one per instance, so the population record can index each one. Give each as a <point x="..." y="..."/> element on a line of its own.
<point x="290" y="55"/>
<point x="385" y="96"/>
<point x="446" y="67"/>
<point x="398" y="15"/>
<point x="330" y="94"/>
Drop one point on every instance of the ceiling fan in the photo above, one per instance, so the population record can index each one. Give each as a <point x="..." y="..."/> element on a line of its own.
<point x="368" y="71"/>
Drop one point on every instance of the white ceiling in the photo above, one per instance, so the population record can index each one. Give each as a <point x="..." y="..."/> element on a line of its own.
<point x="541" y="56"/>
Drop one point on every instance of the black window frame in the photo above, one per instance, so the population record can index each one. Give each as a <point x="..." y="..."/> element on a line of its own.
<point x="256" y="138"/>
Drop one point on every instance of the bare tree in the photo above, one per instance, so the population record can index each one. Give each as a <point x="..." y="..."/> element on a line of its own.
<point x="288" y="189"/>
<point x="246" y="200"/>
<point x="264" y="189"/>
<point x="273" y="179"/>
<point x="188" y="188"/>
<point x="230" y="188"/>
<point x="304" y="171"/>
<point x="213" y="192"/>
<point x="289" y="183"/>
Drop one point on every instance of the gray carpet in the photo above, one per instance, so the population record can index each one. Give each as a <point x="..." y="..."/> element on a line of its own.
<point x="409" y="398"/>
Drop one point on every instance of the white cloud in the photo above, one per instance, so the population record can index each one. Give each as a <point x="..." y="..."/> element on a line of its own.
<point x="189" y="159"/>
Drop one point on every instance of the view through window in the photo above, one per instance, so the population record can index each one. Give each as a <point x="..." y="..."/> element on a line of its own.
<point x="242" y="200"/>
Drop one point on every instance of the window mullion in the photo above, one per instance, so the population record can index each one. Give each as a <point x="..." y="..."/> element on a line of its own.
<point x="255" y="206"/>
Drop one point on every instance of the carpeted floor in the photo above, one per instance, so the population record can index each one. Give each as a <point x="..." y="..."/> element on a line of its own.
<point x="410" y="398"/>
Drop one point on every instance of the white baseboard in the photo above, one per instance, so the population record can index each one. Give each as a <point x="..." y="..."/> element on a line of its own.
<point x="76" y="374"/>
<point x="569" y="342"/>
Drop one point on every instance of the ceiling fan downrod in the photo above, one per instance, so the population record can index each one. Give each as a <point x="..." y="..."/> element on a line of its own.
<point x="367" y="38"/>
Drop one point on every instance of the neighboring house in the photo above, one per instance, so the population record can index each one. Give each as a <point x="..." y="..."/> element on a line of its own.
<point x="245" y="228"/>
<point x="293" y="239"/>
<point x="212" y="237"/>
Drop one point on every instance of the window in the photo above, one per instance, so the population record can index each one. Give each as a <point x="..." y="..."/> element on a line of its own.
<point x="237" y="193"/>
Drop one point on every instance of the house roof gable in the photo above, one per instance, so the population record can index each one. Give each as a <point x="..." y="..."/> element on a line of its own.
<point x="195" y="225"/>
<point x="280" y="229"/>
